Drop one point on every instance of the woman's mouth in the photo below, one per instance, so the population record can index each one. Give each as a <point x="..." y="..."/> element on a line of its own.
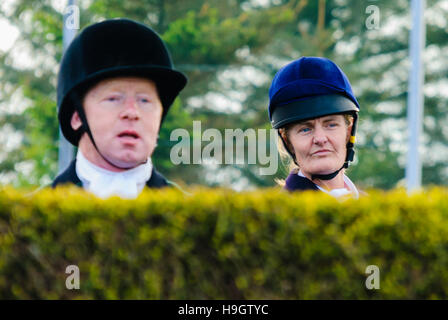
<point x="322" y="152"/>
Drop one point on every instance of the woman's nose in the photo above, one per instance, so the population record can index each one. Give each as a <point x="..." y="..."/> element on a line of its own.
<point x="319" y="136"/>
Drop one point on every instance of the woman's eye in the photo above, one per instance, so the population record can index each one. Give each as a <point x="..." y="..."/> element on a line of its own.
<point x="304" y="130"/>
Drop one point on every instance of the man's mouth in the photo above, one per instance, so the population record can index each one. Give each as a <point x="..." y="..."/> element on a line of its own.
<point x="129" y="134"/>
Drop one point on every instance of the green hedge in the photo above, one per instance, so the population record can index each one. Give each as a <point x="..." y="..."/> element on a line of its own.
<point x="219" y="244"/>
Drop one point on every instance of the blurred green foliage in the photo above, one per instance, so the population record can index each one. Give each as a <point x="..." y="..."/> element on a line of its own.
<point x="232" y="49"/>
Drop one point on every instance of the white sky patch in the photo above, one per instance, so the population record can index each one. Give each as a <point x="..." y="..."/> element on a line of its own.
<point x="397" y="130"/>
<point x="445" y="128"/>
<point x="233" y="82"/>
<point x="251" y="4"/>
<point x="437" y="89"/>
<point x="276" y="62"/>
<point x="390" y="80"/>
<point x="7" y="6"/>
<point x="194" y="102"/>
<point x="45" y="180"/>
<point x="430" y="122"/>
<point x="22" y="56"/>
<point x="393" y="26"/>
<point x="25" y="167"/>
<point x="338" y="33"/>
<point x="7" y="178"/>
<point x="217" y="102"/>
<point x="348" y="48"/>
<point x="8" y="35"/>
<point x="434" y="59"/>
<point x="227" y="177"/>
<point x="377" y="61"/>
<point x="59" y="5"/>
<point x="443" y="5"/>
<point x="437" y="153"/>
<point x="436" y="16"/>
<point x="244" y="76"/>
<point x="394" y="129"/>
<point x="243" y="53"/>
<point x="389" y="107"/>
<point x="11" y="139"/>
<point x="261" y="3"/>
<point x="16" y="104"/>
<point x="341" y="12"/>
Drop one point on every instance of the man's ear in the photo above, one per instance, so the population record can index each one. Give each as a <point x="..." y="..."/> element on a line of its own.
<point x="75" y="122"/>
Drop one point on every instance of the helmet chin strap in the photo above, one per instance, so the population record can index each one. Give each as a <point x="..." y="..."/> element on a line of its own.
<point x="327" y="176"/>
<point x="293" y="156"/>
<point x="85" y="127"/>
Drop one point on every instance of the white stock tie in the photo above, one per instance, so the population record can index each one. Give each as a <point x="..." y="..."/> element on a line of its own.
<point x="104" y="183"/>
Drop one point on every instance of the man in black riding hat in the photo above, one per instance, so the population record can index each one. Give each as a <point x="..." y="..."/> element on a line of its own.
<point x="115" y="86"/>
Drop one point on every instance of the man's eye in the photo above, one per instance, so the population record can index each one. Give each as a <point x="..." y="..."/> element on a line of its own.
<point x="333" y="124"/>
<point x="113" y="98"/>
<point x="304" y="130"/>
<point x="144" y="100"/>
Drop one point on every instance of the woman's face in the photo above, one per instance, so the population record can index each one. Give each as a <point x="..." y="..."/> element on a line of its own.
<point x="320" y="144"/>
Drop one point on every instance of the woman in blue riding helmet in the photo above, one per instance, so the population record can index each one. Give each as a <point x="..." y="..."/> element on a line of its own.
<point x="315" y="112"/>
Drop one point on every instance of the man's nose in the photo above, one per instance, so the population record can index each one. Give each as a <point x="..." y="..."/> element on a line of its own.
<point x="131" y="109"/>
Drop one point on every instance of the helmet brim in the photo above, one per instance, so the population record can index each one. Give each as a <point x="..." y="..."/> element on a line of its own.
<point x="310" y="108"/>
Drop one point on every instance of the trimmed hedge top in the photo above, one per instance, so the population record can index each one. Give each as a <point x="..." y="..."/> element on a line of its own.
<point x="220" y="244"/>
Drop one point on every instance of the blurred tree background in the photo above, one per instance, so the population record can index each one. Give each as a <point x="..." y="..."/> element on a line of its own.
<point x="230" y="51"/>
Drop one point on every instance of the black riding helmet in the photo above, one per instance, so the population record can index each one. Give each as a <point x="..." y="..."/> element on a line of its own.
<point x="308" y="88"/>
<point x="112" y="48"/>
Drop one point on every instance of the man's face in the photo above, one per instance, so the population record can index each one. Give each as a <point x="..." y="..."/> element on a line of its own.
<point x="320" y="144"/>
<point x="124" y="116"/>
